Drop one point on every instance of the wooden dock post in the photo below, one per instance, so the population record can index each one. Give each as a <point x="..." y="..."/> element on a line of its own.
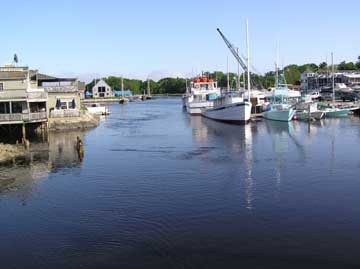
<point x="23" y="132"/>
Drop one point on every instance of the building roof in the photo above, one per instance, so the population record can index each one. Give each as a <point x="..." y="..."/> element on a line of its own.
<point x="47" y="78"/>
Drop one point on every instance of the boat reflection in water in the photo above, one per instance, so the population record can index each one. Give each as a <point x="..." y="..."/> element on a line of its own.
<point x="238" y="143"/>
<point x="58" y="151"/>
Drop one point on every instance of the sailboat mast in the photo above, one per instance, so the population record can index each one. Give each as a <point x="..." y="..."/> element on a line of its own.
<point x="277" y="66"/>
<point x="333" y="76"/>
<point x="122" y="87"/>
<point x="148" y="87"/>
<point x="248" y="57"/>
<point x="228" y="74"/>
<point x="238" y="72"/>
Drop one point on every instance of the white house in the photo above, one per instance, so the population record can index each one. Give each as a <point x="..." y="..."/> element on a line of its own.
<point x="101" y="89"/>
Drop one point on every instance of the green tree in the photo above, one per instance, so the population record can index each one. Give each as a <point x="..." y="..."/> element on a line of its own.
<point x="346" y="66"/>
<point x="323" y="66"/>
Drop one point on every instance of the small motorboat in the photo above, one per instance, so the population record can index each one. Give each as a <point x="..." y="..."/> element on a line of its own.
<point x="98" y="109"/>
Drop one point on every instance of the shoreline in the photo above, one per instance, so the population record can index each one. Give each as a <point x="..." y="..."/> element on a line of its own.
<point x="8" y="152"/>
<point x="113" y="100"/>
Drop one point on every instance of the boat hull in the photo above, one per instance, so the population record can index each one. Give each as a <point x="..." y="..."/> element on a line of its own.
<point x="195" y="108"/>
<point x="237" y="113"/>
<point x="317" y="115"/>
<point x="279" y="115"/>
<point x="337" y="113"/>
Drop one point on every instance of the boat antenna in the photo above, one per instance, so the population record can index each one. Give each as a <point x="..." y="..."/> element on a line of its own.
<point x="248" y="57"/>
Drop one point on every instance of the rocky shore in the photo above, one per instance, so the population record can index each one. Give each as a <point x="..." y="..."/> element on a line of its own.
<point x="9" y="152"/>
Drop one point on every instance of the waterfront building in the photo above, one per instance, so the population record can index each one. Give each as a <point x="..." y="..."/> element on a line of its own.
<point x="101" y="89"/>
<point x="63" y="95"/>
<point x="82" y="89"/>
<point x="315" y="81"/>
<point x="21" y="99"/>
<point x="27" y="96"/>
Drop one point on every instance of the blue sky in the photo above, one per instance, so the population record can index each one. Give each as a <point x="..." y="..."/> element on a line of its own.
<point x="159" y="38"/>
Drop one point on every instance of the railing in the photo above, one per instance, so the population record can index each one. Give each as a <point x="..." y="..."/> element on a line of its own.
<point x="23" y="117"/>
<point x="61" y="89"/>
<point x="36" y="95"/>
<point x="64" y="113"/>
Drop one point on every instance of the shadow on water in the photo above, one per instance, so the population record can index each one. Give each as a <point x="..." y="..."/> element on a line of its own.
<point x="56" y="152"/>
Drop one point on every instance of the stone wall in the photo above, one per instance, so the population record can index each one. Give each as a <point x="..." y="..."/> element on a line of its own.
<point x="86" y="120"/>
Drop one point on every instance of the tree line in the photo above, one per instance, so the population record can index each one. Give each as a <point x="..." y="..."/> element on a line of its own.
<point x="177" y="85"/>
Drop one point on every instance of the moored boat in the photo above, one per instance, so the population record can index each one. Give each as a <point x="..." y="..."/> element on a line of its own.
<point x="229" y="108"/>
<point x="279" y="109"/>
<point x="279" y="112"/>
<point x="98" y="109"/>
<point x="202" y="95"/>
<point x="308" y="111"/>
<point x="332" y="111"/>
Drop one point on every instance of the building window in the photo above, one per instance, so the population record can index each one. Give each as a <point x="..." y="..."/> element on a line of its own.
<point x="1" y="87"/>
<point x="64" y="105"/>
<point x="16" y="107"/>
<point x="101" y="89"/>
<point x="4" y="108"/>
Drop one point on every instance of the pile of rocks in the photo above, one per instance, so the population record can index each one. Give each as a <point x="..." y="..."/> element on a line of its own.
<point x="9" y="152"/>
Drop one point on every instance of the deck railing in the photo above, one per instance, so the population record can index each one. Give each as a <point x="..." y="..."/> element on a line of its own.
<point x="61" y="89"/>
<point x="23" y="117"/>
<point x="64" y="113"/>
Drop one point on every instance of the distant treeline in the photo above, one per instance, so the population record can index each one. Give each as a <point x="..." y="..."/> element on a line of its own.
<point x="178" y="85"/>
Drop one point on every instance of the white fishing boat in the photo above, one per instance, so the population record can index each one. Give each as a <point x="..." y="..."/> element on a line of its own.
<point x="203" y="92"/>
<point x="229" y="108"/>
<point x="98" y="109"/>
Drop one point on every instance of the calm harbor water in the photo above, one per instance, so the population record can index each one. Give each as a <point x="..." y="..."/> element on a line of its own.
<point x="159" y="189"/>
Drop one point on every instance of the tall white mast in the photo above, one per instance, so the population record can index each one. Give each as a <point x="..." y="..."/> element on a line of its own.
<point x="277" y="66"/>
<point x="228" y="74"/>
<point x="248" y="58"/>
<point x="122" y="88"/>
<point x="148" y="87"/>
<point x="238" y="72"/>
<point x="333" y="76"/>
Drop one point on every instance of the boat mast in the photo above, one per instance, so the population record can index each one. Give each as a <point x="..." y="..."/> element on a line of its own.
<point x="238" y="72"/>
<point x="122" y="88"/>
<point x="248" y="58"/>
<point x="333" y="76"/>
<point x="148" y="87"/>
<point x="277" y="66"/>
<point x="228" y="74"/>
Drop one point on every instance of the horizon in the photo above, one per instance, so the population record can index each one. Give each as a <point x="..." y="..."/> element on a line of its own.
<point x="137" y="44"/>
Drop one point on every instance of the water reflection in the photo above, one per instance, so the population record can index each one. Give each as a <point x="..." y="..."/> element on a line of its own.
<point x="238" y="141"/>
<point x="57" y="151"/>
